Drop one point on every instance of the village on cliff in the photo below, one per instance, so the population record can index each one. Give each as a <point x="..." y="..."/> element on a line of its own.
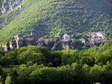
<point x="65" y="41"/>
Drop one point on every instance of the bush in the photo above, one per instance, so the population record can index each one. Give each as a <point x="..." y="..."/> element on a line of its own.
<point x="8" y="80"/>
<point x="34" y="54"/>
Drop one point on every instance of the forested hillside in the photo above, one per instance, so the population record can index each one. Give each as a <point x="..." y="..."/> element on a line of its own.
<point x="54" y="17"/>
<point x="36" y="64"/>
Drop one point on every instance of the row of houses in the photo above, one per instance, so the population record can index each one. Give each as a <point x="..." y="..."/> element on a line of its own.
<point x="64" y="42"/>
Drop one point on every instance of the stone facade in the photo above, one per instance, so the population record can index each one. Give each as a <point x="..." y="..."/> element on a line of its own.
<point x="65" y="42"/>
<point x="97" y="38"/>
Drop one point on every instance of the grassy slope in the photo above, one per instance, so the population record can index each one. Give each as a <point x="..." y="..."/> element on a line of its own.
<point x="25" y="21"/>
<point x="56" y="16"/>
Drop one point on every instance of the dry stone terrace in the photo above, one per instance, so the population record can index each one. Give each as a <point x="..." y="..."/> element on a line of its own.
<point x="64" y="42"/>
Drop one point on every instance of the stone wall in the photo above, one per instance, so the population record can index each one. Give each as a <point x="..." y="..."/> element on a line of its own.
<point x="65" y="42"/>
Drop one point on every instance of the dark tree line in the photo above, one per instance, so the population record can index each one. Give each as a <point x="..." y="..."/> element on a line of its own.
<point x="38" y="65"/>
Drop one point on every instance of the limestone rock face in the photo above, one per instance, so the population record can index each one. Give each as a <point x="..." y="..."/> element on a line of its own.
<point x="9" y="8"/>
<point x="9" y="5"/>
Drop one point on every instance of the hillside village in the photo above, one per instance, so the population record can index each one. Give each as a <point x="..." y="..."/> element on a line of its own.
<point x="65" y="41"/>
<point x="55" y="41"/>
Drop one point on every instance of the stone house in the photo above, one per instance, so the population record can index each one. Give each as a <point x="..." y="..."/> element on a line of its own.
<point x="97" y="38"/>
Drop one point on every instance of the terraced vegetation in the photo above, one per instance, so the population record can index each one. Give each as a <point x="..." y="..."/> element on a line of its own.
<point x="54" y="17"/>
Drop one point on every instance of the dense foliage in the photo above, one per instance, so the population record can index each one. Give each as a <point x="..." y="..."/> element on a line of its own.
<point x="35" y="64"/>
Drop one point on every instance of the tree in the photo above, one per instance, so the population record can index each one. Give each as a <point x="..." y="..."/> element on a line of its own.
<point x="8" y="80"/>
<point x="32" y="54"/>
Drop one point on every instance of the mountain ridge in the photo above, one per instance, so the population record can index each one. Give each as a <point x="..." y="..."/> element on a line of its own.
<point x="54" y="17"/>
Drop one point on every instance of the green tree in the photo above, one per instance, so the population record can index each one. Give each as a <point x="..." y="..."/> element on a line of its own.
<point x="32" y="54"/>
<point x="8" y="79"/>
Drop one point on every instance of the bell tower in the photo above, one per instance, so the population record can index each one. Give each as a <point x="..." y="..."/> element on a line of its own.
<point x="66" y="42"/>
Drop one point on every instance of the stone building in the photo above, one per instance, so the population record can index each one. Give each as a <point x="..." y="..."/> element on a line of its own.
<point x="66" y="42"/>
<point x="50" y="43"/>
<point x="28" y="39"/>
<point x="97" y="38"/>
<point x="17" y="39"/>
<point x="7" y="46"/>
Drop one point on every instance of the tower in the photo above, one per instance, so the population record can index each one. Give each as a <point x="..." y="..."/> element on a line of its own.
<point x="66" y="42"/>
<point x="17" y="39"/>
<point x="11" y="45"/>
<point x="5" y="48"/>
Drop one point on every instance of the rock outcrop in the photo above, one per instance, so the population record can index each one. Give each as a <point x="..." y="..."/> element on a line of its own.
<point x="9" y="5"/>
